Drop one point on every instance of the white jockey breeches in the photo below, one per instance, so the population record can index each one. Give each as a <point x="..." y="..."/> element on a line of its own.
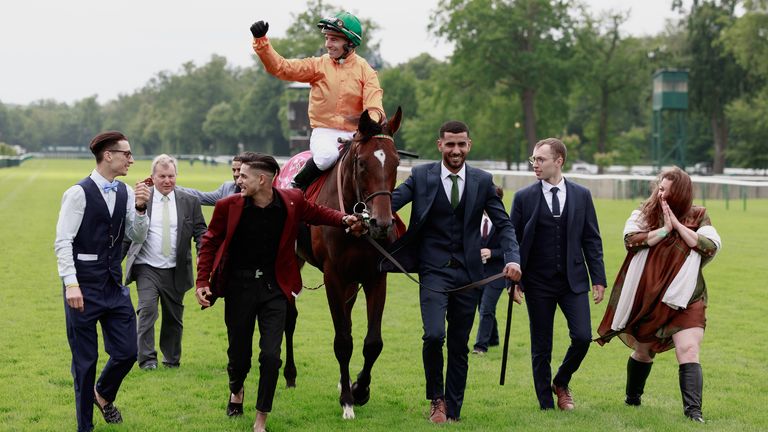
<point x="324" y="145"/>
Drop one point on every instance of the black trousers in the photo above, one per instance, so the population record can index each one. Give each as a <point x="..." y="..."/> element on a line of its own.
<point x="247" y="301"/>
<point x="458" y="309"/>
<point x="542" y="303"/>
<point x="111" y="306"/>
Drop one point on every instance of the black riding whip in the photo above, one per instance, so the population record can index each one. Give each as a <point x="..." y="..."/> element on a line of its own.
<point x="505" y="352"/>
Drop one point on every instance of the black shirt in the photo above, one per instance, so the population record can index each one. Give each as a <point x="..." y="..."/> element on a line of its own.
<point x="257" y="237"/>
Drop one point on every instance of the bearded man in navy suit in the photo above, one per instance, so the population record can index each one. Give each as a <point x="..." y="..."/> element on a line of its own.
<point x="561" y="250"/>
<point x="442" y="243"/>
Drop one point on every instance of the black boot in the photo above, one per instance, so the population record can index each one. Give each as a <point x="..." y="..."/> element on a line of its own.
<point x="691" y="385"/>
<point x="308" y="174"/>
<point x="637" y="373"/>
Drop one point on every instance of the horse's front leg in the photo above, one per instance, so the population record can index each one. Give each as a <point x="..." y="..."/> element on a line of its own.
<point x="341" y="313"/>
<point x="375" y="297"/>
<point x="289" y="370"/>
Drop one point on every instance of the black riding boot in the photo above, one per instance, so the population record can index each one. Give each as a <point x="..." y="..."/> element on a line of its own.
<point x="309" y="173"/>
<point x="691" y="385"/>
<point x="637" y="373"/>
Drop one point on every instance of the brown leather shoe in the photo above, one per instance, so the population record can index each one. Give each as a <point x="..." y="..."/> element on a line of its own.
<point x="437" y="411"/>
<point x="564" y="398"/>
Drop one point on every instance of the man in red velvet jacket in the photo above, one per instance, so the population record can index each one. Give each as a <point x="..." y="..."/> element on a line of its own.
<point x="247" y="257"/>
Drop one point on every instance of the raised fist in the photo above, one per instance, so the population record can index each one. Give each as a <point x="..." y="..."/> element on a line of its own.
<point x="259" y="29"/>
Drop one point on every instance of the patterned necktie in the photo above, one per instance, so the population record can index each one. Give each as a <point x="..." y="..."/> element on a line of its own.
<point x="110" y="186"/>
<point x="454" y="190"/>
<point x="485" y="228"/>
<point x="166" y="242"/>
<point x="555" y="202"/>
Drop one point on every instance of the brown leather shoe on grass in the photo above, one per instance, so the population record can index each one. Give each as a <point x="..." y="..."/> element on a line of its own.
<point x="437" y="411"/>
<point x="564" y="398"/>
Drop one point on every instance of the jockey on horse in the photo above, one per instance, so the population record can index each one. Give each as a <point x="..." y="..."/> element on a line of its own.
<point x="343" y="85"/>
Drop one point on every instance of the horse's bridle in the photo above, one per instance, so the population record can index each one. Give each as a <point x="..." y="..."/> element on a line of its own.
<point x="360" y="207"/>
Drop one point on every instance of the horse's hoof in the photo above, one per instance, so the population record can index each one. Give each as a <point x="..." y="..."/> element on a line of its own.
<point x="348" y="412"/>
<point x="290" y="383"/>
<point x="360" y="394"/>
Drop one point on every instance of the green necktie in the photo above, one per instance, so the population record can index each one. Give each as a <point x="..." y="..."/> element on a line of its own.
<point x="454" y="190"/>
<point x="166" y="244"/>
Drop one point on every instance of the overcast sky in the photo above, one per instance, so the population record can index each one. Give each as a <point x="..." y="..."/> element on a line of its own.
<point x="72" y="49"/>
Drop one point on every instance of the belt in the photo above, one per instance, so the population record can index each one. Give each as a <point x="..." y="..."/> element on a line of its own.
<point x="454" y="264"/>
<point x="249" y="273"/>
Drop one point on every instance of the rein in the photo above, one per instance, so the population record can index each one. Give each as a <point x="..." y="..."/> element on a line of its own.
<point x="392" y="259"/>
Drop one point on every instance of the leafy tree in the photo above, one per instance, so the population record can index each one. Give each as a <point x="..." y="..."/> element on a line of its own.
<point x="745" y="39"/>
<point x="715" y="78"/>
<point x="605" y="87"/>
<point x="522" y="48"/>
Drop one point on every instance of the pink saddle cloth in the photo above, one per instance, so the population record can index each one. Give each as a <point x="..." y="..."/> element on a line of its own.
<point x="293" y="167"/>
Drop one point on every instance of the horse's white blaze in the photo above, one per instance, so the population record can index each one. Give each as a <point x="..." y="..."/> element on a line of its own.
<point x="380" y="156"/>
<point x="349" y="412"/>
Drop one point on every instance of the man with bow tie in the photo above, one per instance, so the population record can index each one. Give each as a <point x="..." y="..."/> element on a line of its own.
<point x="96" y="214"/>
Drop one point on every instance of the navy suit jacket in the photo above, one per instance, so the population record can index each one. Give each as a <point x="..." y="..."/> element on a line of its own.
<point x="584" y="256"/>
<point x="421" y="189"/>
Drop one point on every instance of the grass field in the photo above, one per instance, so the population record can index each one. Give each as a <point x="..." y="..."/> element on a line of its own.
<point x="36" y="385"/>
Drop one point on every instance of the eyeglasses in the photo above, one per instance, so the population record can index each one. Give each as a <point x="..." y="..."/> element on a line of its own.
<point x="126" y="153"/>
<point x="538" y="159"/>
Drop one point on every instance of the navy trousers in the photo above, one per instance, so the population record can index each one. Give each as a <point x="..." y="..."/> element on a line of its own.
<point x="458" y="309"/>
<point x="541" y="311"/>
<point x="112" y="307"/>
<point x="488" y="328"/>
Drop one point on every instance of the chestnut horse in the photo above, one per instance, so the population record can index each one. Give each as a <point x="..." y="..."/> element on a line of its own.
<point x="366" y="173"/>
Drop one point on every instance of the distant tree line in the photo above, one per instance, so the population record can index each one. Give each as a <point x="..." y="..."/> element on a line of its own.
<point x="521" y="70"/>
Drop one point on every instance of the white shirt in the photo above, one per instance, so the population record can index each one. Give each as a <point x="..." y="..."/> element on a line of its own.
<point x="482" y="221"/>
<point x="152" y="251"/>
<point x="448" y="183"/>
<point x="71" y="216"/>
<point x="547" y="189"/>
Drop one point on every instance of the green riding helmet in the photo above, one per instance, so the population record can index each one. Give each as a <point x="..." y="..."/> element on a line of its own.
<point x="344" y="23"/>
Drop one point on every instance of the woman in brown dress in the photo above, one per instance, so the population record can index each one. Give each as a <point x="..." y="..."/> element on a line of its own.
<point x="659" y="298"/>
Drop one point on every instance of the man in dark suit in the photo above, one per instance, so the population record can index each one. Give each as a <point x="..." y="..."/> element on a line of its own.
<point x="561" y="251"/>
<point x="448" y="199"/>
<point x="95" y="215"/>
<point x="248" y="258"/>
<point x="161" y="265"/>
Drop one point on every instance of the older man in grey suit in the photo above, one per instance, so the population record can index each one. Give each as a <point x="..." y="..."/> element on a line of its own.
<point x="162" y="264"/>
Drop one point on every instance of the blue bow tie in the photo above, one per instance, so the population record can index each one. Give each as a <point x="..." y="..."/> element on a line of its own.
<point x="111" y="186"/>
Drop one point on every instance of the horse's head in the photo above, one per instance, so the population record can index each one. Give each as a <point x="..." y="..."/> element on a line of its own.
<point x="374" y="170"/>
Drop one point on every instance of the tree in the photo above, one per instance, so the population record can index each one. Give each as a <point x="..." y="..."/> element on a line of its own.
<point x="715" y="78"/>
<point x="521" y="48"/>
<point x="604" y="59"/>
<point x="745" y="39"/>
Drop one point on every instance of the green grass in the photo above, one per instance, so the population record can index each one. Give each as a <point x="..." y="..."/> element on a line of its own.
<point x="36" y="386"/>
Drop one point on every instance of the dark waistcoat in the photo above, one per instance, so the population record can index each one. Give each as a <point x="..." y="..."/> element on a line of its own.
<point x="100" y="235"/>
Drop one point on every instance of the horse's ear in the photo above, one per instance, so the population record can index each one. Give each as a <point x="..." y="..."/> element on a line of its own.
<point x="394" y="122"/>
<point x="366" y="126"/>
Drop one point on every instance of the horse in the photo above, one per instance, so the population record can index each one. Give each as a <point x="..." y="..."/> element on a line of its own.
<point x="362" y="179"/>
